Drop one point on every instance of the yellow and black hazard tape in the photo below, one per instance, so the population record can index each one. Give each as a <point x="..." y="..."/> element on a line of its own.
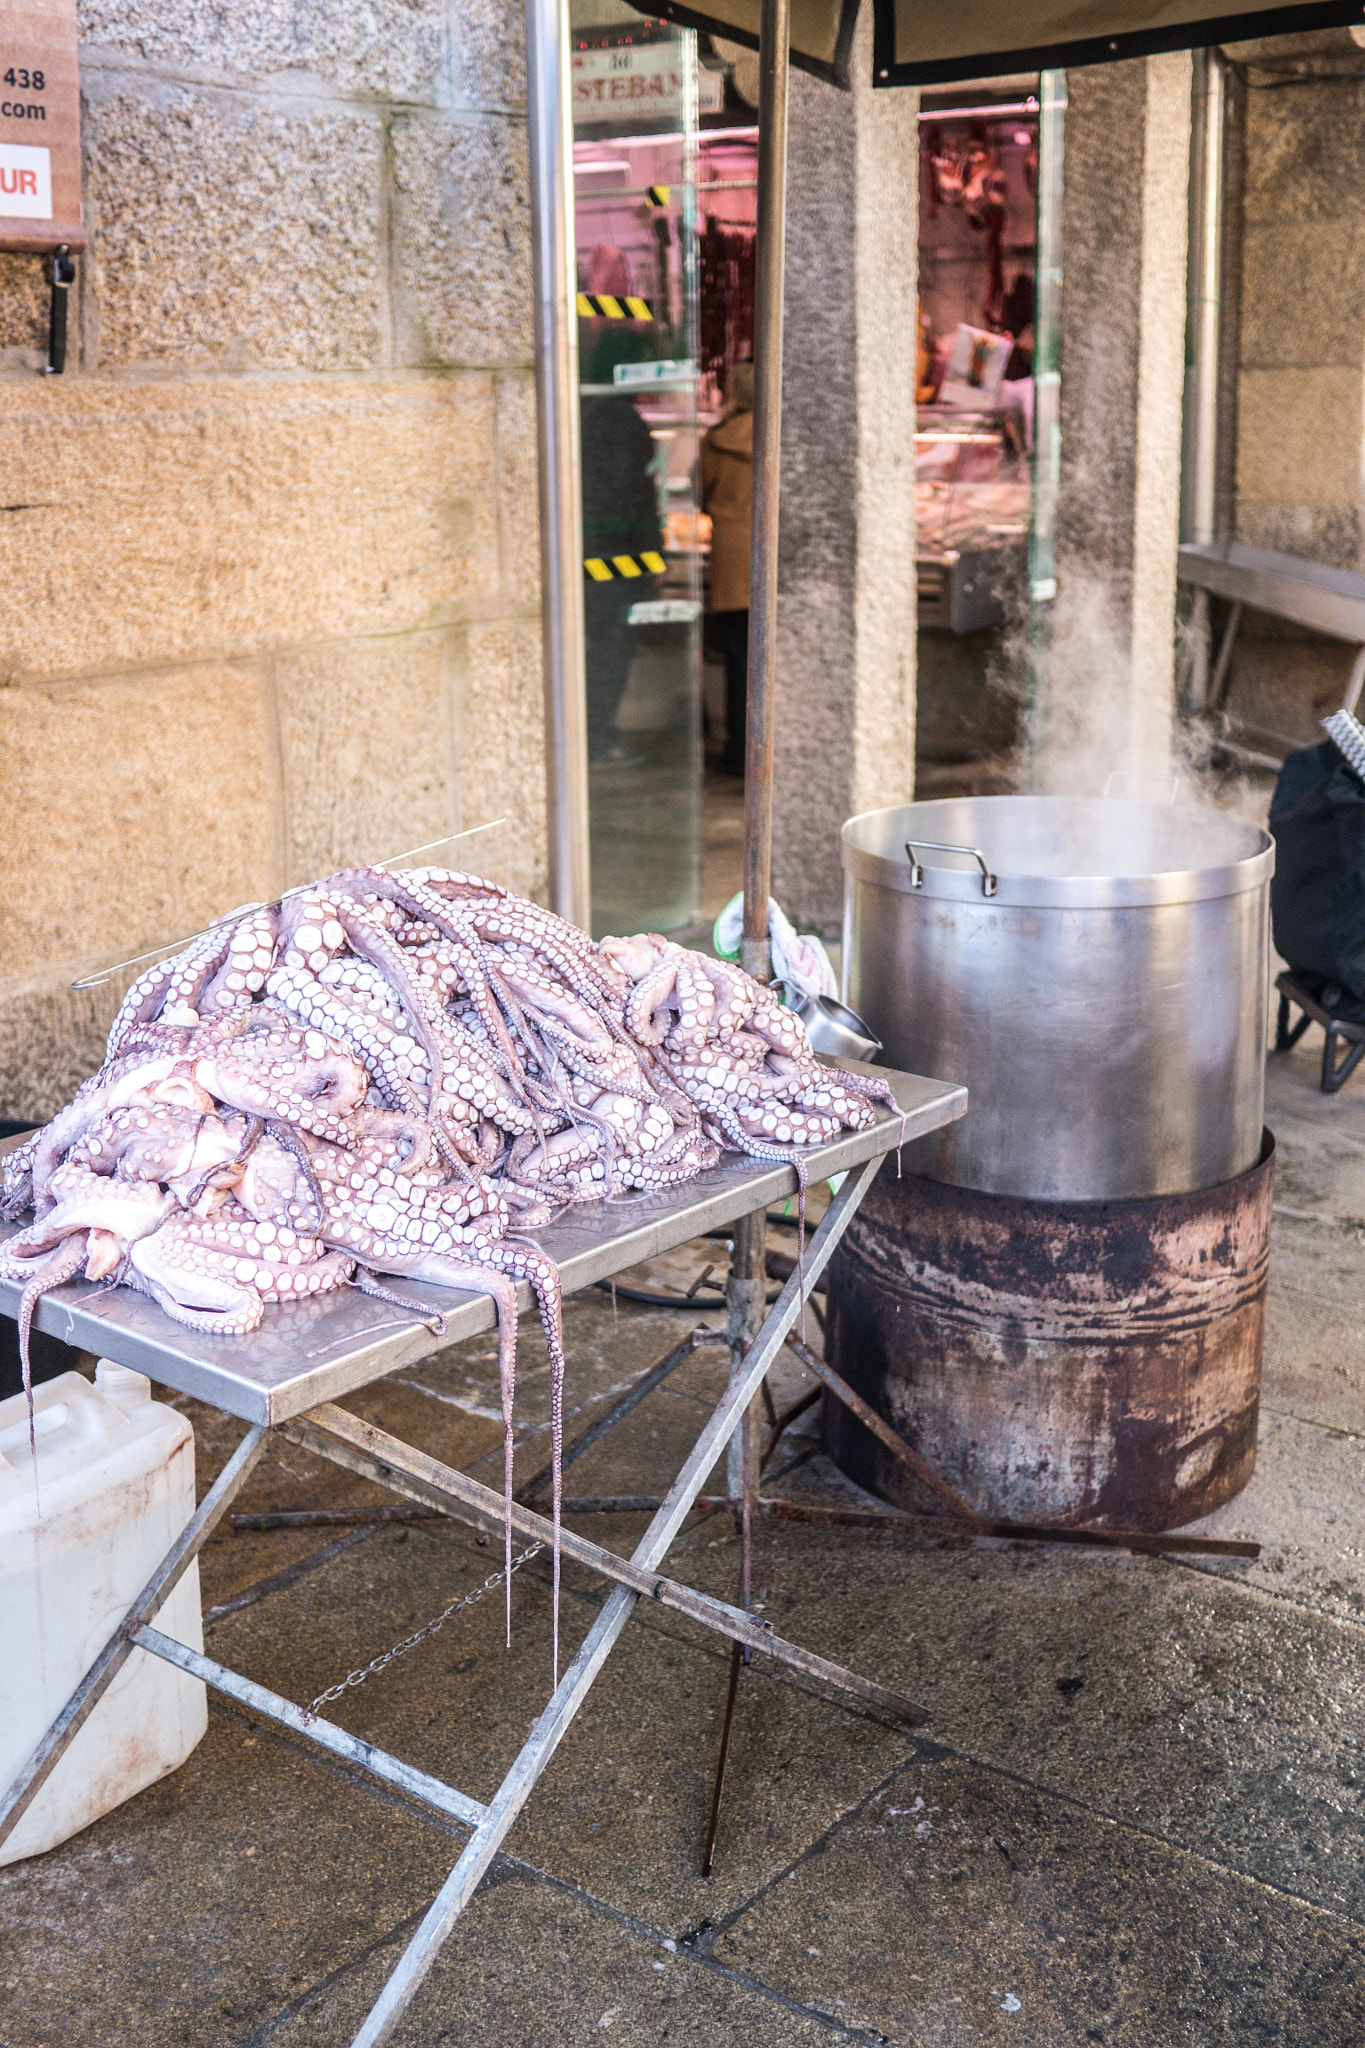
<point x="658" y="195"/>
<point x="602" y="306"/>
<point x="605" y="569"/>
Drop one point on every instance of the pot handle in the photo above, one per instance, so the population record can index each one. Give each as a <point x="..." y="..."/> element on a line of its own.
<point x="989" y="882"/>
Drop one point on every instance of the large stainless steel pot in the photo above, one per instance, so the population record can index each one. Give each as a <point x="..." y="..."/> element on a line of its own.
<point x="1094" y="970"/>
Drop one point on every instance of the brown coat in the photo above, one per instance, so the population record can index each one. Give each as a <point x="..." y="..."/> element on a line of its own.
<point x="727" y="493"/>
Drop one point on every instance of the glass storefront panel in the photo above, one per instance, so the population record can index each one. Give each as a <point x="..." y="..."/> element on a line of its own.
<point x="984" y="437"/>
<point x="635" y="96"/>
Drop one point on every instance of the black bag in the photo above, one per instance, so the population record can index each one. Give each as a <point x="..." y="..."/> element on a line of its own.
<point x="1317" y="896"/>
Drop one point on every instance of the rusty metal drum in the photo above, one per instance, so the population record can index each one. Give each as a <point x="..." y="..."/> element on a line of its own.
<point x="1064" y="1362"/>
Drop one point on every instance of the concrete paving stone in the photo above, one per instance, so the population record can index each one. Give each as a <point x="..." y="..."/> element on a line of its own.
<point x="500" y="749"/>
<point x="1213" y="1715"/>
<point x="24" y="302"/>
<point x="640" y="1455"/>
<point x="604" y="1359"/>
<point x="959" y="1906"/>
<point x="366" y="736"/>
<point x="198" y="1909"/>
<point x="1317" y="1258"/>
<point x="256" y="1895"/>
<point x="1291" y="1082"/>
<point x="232" y="1562"/>
<point x="1305" y="1505"/>
<point x="117" y="770"/>
<point x="1319" y="1169"/>
<point x="227" y="515"/>
<point x="388" y="50"/>
<point x="532" y="1964"/>
<point x="461" y="241"/>
<point x="621" y="1811"/>
<point x="1314" y="1369"/>
<point x="234" y="235"/>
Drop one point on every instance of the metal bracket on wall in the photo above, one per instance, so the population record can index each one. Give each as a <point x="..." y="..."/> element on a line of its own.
<point x="63" y="277"/>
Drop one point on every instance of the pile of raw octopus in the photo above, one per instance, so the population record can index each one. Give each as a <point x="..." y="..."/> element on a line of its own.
<point x="401" y="1074"/>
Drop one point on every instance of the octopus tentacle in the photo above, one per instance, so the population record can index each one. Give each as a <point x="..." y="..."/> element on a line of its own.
<point x="392" y="1072"/>
<point x="57" y="1268"/>
<point x="141" y="1003"/>
<point x="369" y="1283"/>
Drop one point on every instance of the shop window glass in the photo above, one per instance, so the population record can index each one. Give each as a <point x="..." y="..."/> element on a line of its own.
<point x="636" y="86"/>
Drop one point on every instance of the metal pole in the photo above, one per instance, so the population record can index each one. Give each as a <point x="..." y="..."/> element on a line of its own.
<point x="550" y="133"/>
<point x="746" y="1290"/>
<point x="773" y="61"/>
<point x="1206" y="267"/>
<point x="1204" y="321"/>
<point x="1047" y="428"/>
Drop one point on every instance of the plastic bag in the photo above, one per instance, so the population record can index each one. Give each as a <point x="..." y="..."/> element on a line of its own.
<point x="1317" y="894"/>
<point x="799" y="959"/>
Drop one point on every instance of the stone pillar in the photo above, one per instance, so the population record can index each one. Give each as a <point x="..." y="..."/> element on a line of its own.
<point x="846" y="576"/>
<point x="1105" y="686"/>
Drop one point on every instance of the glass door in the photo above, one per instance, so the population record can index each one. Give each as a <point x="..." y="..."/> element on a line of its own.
<point x="635" y="99"/>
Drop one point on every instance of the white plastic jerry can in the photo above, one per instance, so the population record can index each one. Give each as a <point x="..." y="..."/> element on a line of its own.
<point x="115" y="1486"/>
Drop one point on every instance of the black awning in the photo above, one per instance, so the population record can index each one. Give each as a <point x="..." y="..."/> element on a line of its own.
<point x="821" y="30"/>
<point x="938" y="42"/>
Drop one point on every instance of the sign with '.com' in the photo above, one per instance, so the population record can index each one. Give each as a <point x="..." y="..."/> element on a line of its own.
<point x="40" y="126"/>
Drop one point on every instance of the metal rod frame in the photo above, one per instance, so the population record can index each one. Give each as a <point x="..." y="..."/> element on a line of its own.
<point x="773" y="71"/>
<point x="1170" y="1543"/>
<point x="549" y="125"/>
<point x="346" y="1440"/>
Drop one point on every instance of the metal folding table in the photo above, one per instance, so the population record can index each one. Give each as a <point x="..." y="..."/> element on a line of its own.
<point x="286" y="1377"/>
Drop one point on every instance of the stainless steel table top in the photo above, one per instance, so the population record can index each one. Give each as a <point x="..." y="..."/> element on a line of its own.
<point x="308" y="1352"/>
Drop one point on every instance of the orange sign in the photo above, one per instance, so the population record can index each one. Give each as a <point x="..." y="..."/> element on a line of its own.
<point x="40" y="126"/>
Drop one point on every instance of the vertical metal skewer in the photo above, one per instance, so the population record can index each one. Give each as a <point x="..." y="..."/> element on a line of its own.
<point x="245" y="910"/>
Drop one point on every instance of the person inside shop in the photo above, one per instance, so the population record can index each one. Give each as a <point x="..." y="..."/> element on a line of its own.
<point x="727" y="492"/>
<point x="620" y="509"/>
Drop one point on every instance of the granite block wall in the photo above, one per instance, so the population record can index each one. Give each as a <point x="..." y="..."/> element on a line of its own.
<point x="1301" y="393"/>
<point x="1299" y="453"/>
<point x="270" y="598"/>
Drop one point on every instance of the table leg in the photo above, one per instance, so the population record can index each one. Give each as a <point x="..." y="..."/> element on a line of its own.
<point x="743" y="1470"/>
<point x="577" y="1681"/>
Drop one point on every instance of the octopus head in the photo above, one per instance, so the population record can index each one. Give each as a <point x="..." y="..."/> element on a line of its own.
<point x="633" y="957"/>
<point x="291" y="1076"/>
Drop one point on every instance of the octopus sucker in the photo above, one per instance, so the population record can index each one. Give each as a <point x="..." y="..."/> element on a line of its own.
<point x="402" y="1074"/>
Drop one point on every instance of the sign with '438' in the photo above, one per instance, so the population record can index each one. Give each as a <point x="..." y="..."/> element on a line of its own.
<point x="40" y="126"/>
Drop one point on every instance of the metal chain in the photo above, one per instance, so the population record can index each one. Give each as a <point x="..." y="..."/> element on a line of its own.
<point x="420" y="1635"/>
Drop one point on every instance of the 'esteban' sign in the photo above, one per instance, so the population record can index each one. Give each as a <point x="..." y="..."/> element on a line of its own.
<point x="644" y="80"/>
<point x="40" y="126"/>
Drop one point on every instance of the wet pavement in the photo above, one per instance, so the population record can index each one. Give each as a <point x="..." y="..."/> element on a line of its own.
<point x="1135" y="1816"/>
